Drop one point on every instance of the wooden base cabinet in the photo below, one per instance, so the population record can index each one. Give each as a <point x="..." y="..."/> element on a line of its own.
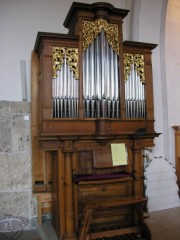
<point x="82" y="182"/>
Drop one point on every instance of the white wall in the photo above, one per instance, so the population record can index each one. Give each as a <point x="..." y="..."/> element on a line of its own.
<point x="149" y="31"/>
<point x="146" y="26"/>
<point x="172" y="47"/>
<point x="20" y="20"/>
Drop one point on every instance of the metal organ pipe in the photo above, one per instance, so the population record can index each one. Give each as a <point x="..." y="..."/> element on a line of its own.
<point x="100" y="75"/>
<point x="116" y="94"/>
<point x="103" y="62"/>
<point x="92" y="85"/>
<point x="100" y="84"/>
<point x="97" y="77"/>
<point x="65" y="93"/>
<point x="135" y="95"/>
<point x="54" y="96"/>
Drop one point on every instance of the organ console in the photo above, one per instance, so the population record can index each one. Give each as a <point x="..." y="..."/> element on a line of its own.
<point x="92" y="91"/>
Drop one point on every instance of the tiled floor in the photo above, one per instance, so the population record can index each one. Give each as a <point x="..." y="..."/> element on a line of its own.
<point x="165" y="224"/>
<point x="26" y="235"/>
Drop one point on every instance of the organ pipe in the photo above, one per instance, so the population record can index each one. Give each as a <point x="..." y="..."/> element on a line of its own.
<point x="100" y="79"/>
<point x="135" y="95"/>
<point x="65" y="91"/>
<point x="100" y="82"/>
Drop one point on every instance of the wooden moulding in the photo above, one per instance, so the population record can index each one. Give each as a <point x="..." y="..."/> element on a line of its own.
<point x="92" y="11"/>
<point x="94" y="127"/>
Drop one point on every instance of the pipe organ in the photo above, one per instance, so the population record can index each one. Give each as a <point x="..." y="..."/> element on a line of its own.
<point x="92" y="97"/>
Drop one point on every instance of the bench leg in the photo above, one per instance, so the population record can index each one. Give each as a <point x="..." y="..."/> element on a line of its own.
<point x="87" y="221"/>
<point x="40" y="213"/>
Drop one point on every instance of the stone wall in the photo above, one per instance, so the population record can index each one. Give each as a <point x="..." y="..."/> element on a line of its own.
<point x="15" y="160"/>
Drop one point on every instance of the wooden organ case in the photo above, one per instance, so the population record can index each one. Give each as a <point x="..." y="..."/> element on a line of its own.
<point x="91" y="90"/>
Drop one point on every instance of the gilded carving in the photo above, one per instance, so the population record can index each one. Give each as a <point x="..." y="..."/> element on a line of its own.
<point x="138" y="61"/>
<point x="92" y="29"/>
<point x="71" y="56"/>
<point x="128" y="62"/>
<point x="139" y="65"/>
<point x="72" y="59"/>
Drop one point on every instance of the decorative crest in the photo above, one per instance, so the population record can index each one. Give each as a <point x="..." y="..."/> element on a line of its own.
<point x="71" y="56"/>
<point x="92" y="29"/>
<point x="138" y="61"/>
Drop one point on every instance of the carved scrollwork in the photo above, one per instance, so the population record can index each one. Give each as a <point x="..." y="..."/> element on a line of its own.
<point x="139" y="65"/>
<point x="71" y="56"/>
<point x="58" y="59"/>
<point x="128" y="62"/>
<point x="92" y="29"/>
<point x="72" y="59"/>
<point x="138" y="61"/>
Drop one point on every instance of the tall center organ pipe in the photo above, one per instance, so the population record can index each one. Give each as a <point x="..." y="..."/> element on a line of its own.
<point x="100" y="80"/>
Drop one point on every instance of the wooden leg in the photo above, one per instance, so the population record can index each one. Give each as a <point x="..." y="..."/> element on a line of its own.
<point x="87" y="221"/>
<point x="39" y="212"/>
<point x="44" y="198"/>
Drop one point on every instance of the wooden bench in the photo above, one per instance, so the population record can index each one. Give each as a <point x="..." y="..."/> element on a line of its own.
<point x="44" y="204"/>
<point x="90" y="207"/>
